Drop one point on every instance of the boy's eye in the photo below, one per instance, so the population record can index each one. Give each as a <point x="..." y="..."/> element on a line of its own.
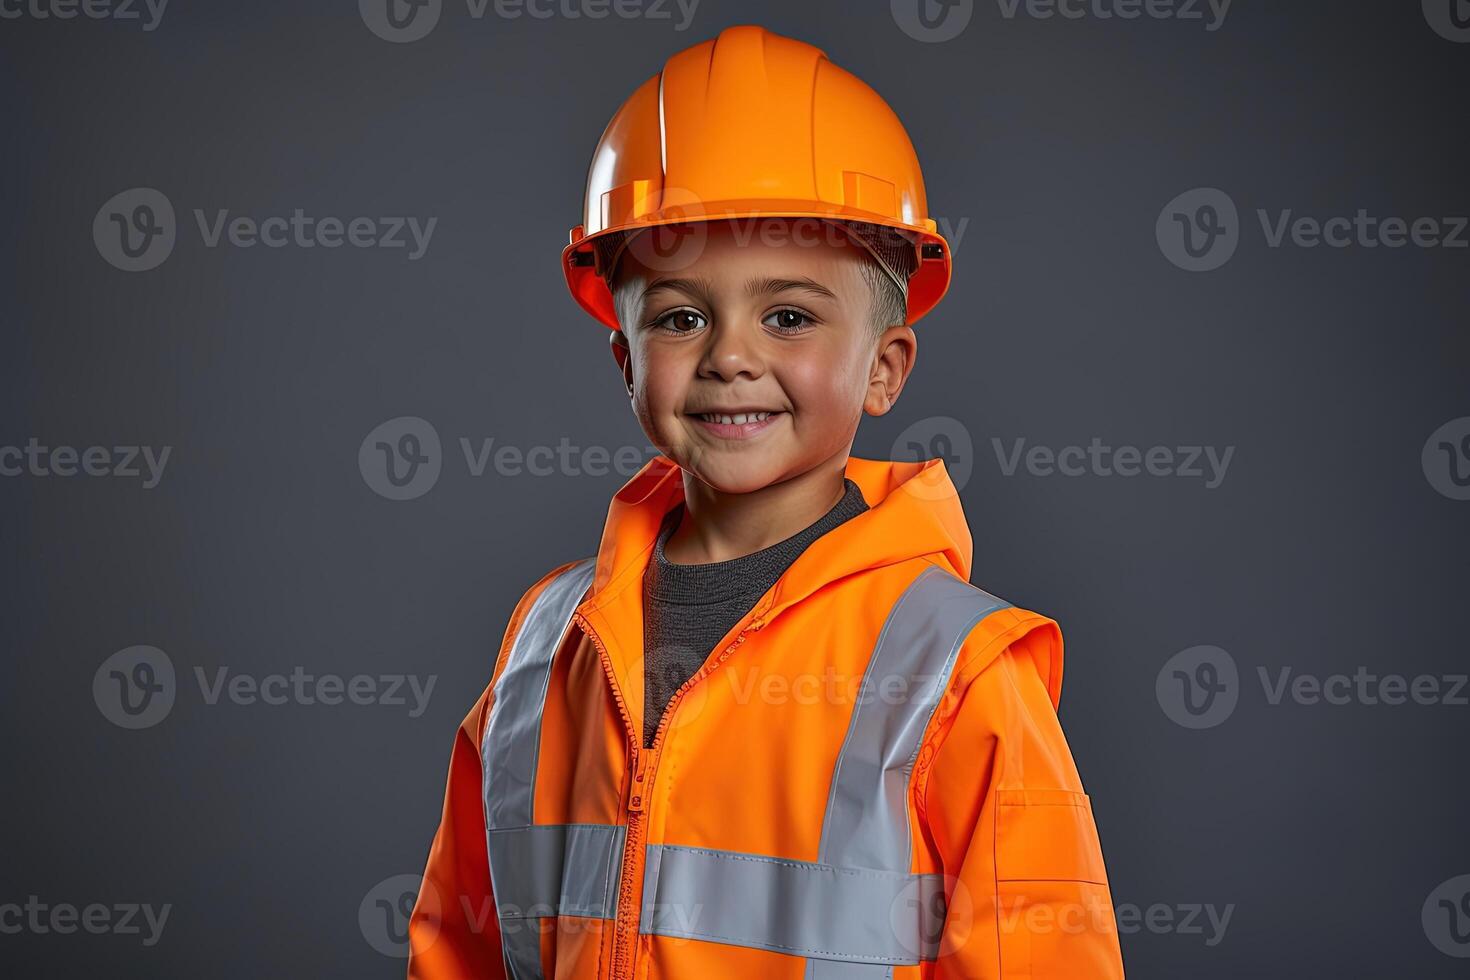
<point x="680" y="321"/>
<point x="787" y="320"/>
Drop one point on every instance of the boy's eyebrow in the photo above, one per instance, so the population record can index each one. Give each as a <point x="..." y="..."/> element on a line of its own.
<point x="698" y="286"/>
<point x="761" y="287"/>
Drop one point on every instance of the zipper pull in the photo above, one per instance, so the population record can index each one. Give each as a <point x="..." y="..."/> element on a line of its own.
<point x="635" y="793"/>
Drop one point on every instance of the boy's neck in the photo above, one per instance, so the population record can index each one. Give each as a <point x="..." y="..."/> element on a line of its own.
<point x="719" y="526"/>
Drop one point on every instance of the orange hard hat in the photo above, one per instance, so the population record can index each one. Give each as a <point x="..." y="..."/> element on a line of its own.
<point x="754" y="125"/>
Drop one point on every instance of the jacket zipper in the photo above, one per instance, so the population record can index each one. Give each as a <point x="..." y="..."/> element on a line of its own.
<point x="625" y="926"/>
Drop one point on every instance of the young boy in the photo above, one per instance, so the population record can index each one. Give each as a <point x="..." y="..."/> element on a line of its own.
<point x="769" y="730"/>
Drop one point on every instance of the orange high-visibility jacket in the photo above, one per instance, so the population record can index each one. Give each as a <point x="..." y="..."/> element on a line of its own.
<point x="865" y="779"/>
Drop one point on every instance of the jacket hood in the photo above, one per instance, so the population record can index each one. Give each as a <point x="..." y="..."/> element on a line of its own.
<point x="913" y="511"/>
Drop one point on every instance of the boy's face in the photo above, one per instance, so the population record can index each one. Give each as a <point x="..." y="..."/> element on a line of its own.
<point x="757" y="323"/>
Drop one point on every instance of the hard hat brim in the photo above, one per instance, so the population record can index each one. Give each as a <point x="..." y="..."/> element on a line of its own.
<point x="926" y="286"/>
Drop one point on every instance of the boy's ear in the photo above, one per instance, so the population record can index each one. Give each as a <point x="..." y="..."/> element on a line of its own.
<point x="897" y="349"/>
<point x="618" y="341"/>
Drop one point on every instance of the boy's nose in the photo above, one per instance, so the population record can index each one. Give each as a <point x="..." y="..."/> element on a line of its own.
<point x="731" y="352"/>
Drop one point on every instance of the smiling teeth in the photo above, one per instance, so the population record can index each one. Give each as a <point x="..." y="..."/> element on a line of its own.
<point x="741" y="419"/>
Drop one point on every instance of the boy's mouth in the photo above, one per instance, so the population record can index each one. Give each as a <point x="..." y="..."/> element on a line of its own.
<point x="736" y="425"/>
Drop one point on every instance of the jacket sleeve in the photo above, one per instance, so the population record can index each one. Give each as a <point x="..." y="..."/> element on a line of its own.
<point x="454" y="931"/>
<point x="1026" y="890"/>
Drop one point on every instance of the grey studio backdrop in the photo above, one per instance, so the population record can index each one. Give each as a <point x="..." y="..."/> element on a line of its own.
<point x="1226" y="448"/>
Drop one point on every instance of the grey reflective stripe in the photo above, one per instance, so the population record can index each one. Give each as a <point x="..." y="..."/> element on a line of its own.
<point x="846" y="915"/>
<point x="523" y="858"/>
<point x="513" y="735"/>
<point x="867" y="822"/>
<point x="867" y="818"/>
<point x="558" y="869"/>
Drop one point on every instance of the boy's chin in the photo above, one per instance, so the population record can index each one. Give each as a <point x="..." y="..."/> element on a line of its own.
<point x="735" y="472"/>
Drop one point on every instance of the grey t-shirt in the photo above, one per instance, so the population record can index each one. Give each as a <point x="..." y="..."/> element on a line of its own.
<point x="687" y="609"/>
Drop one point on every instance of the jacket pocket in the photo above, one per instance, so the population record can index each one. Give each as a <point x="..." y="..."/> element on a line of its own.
<point x="1054" y="914"/>
<point x="1046" y="835"/>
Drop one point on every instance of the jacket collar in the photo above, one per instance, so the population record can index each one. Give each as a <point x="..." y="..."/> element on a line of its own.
<point x="913" y="511"/>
